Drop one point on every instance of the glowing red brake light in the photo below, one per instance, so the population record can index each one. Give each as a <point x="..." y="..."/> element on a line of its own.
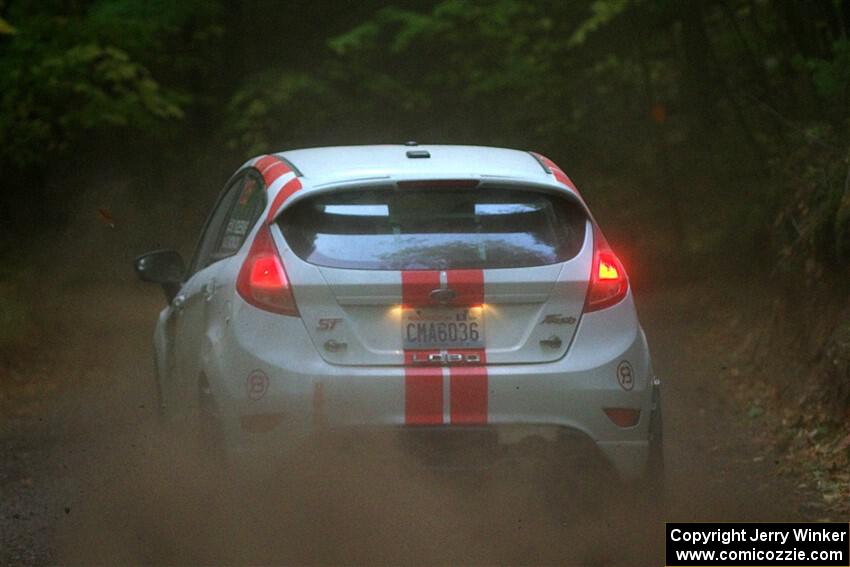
<point x="608" y="281"/>
<point x="608" y="268"/>
<point x="262" y="280"/>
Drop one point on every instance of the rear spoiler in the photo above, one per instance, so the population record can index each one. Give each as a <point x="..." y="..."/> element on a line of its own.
<point x="552" y="168"/>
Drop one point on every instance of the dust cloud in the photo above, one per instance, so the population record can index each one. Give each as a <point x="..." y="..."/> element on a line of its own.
<point x="155" y="504"/>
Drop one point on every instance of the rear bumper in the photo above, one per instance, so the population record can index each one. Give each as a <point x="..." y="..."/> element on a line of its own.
<point x="307" y="397"/>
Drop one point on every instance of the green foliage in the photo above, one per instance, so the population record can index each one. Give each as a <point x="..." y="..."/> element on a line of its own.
<point x="6" y="28"/>
<point x="268" y="111"/>
<point x="46" y="105"/>
<point x="69" y="71"/>
<point x="813" y="225"/>
<point x="462" y="71"/>
<point x="814" y="221"/>
<point x="604" y="11"/>
<point x="832" y="76"/>
<point x="173" y="37"/>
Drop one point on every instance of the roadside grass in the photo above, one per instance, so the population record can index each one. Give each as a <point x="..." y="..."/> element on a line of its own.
<point x="788" y="395"/>
<point x="810" y="446"/>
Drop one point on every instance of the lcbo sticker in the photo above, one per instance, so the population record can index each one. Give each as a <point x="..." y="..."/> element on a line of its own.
<point x="257" y="384"/>
<point x="625" y="375"/>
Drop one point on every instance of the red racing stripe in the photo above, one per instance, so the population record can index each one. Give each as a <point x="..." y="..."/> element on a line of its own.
<point x="285" y="193"/>
<point x="265" y="161"/>
<point x="417" y="285"/>
<point x="271" y="168"/>
<point x="423" y="393"/>
<point x="557" y="172"/>
<point x="468" y="391"/>
<point x="562" y="177"/>
<point x="468" y="285"/>
<point x="423" y="386"/>
<point x="274" y="171"/>
<point x="468" y="384"/>
<point x="423" y="396"/>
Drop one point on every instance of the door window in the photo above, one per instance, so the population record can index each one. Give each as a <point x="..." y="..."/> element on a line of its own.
<point x="237" y="210"/>
<point x="248" y="204"/>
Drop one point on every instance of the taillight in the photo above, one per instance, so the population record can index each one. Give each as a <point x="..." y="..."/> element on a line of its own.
<point x="608" y="280"/>
<point x="262" y="280"/>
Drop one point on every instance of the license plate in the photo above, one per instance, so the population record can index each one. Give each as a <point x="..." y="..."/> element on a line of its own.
<point x="442" y="327"/>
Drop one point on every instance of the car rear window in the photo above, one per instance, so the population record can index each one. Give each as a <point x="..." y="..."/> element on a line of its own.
<point x="433" y="228"/>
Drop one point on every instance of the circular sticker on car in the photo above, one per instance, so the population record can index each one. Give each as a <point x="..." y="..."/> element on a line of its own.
<point x="257" y="384"/>
<point x="625" y="375"/>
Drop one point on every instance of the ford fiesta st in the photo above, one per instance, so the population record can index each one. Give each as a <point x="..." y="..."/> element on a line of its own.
<point x="440" y="290"/>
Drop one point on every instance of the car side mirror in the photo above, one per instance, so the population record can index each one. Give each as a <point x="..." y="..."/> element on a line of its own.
<point x="164" y="267"/>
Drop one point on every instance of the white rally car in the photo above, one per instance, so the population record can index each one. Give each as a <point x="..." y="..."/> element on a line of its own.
<point x="439" y="290"/>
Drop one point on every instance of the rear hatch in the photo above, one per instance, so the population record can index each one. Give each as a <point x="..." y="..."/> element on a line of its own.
<point x="383" y="274"/>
